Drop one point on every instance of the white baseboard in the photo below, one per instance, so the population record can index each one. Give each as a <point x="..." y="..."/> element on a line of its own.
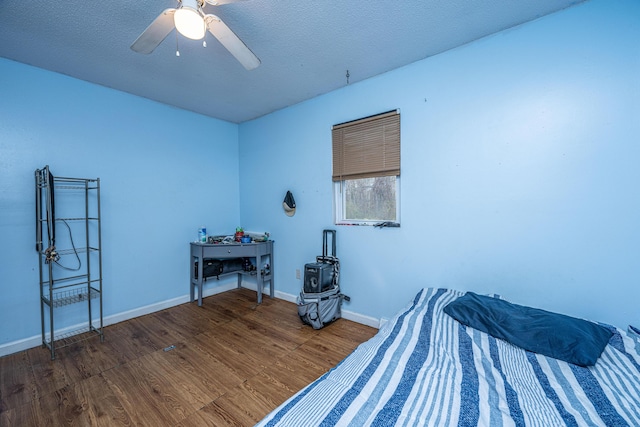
<point x="361" y="318"/>
<point x="36" y="340"/>
<point x="287" y="297"/>
<point x="20" y="345"/>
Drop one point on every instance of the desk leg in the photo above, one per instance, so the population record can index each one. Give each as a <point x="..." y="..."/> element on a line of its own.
<point x="272" y="290"/>
<point x="192" y="278"/>
<point x="259" y="280"/>
<point x="200" y="280"/>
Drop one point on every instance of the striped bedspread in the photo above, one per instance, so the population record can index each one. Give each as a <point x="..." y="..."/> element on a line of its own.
<point x="425" y="369"/>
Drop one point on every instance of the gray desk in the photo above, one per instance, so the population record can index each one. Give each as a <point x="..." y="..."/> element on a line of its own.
<point x="200" y="251"/>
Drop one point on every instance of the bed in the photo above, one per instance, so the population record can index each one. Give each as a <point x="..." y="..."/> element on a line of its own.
<point x="426" y="368"/>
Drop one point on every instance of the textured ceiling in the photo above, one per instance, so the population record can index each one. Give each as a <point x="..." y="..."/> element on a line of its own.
<point x="305" y="47"/>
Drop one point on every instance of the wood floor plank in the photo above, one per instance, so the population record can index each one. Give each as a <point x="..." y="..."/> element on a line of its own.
<point x="27" y="415"/>
<point x="103" y="408"/>
<point x="283" y="314"/>
<point x="351" y="331"/>
<point x="278" y="331"/>
<point x="51" y="375"/>
<point x="252" y="342"/>
<point x="134" y="340"/>
<point x="233" y="356"/>
<point x="234" y="304"/>
<point x="185" y="322"/>
<point x="232" y="361"/>
<point x="87" y="402"/>
<point x="323" y="354"/>
<point x="272" y="387"/>
<point x="81" y="360"/>
<point x="215" y="314"/>
<point x="17" y="381"/>
<point x="297" y="370"/>
<point x="195" y="371"/>
<point x="146" y="395"/>
<point x="212" y="415"/>
<point x="245" y="405"/>
<point x="193" y="388"/>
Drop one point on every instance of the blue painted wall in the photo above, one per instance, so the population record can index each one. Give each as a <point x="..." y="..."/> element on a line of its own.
<point x="520" y="171"/>
<point x="163" y="172"/>
<point x="519" y="176"/>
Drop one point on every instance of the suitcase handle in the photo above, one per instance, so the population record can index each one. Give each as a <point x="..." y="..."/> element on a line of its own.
<point x="325" y="242"/>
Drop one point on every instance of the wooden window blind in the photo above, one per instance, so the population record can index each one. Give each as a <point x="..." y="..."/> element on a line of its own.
<point x="368" y="147"/>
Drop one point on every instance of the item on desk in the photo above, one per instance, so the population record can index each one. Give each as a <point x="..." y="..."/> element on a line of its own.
<point x="202" y="234"/>
<point x="245" y="239"/>
<point x="239" y="234"/>
<point x="258" y="237"/>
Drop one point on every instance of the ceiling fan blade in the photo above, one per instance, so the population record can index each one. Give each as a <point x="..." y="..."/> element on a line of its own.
<point x="233" y="44"/>
<point x="155" y="33"/>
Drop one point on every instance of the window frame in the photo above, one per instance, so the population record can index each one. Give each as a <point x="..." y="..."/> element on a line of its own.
<point x="339" y="206"/>
<point x="365" y="148"/>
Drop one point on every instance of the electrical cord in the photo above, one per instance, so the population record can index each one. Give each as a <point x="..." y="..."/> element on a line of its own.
<point x="56" y="257"/>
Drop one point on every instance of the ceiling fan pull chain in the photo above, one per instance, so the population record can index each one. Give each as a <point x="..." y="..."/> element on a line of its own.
<point x="177" y="50"/>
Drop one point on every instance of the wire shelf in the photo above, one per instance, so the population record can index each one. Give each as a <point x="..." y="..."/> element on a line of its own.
<point x="76" y="250"/>
<point x="72" y="337"/>
<point x="71" y="296"/>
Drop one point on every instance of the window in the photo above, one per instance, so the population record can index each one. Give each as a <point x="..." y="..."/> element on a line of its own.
<point x="366" y="170"/>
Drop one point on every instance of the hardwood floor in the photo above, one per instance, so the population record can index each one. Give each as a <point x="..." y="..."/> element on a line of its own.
<point x="234" y="361"/>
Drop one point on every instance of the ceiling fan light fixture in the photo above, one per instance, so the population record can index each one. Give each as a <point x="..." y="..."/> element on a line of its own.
<point x="189" y="21"/>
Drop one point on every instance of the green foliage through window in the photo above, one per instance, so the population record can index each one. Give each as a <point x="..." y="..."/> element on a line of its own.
<point x="370" y="199"/>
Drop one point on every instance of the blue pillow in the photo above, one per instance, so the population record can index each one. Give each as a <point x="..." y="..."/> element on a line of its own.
<point x="555" y="335"/>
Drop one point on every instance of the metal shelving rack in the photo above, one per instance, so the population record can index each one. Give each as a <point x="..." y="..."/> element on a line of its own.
<point x="80" y="286"/>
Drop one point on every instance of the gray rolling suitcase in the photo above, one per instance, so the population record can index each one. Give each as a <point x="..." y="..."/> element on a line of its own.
<point x="320" y="300"/>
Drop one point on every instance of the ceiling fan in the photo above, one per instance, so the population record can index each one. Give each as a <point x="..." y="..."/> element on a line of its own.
<point x="191" y="21"/>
